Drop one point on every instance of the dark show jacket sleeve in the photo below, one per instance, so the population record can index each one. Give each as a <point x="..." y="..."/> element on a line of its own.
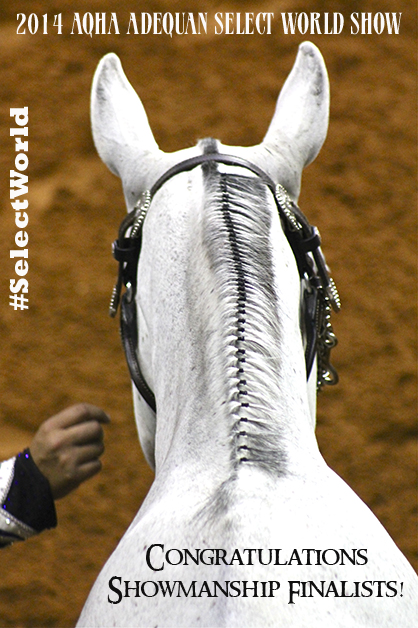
<point x="26" y="503"/>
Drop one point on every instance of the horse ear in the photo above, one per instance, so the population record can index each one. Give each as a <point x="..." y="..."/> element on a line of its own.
<point x="121" y="131"/>
<point x="300" y="122"/>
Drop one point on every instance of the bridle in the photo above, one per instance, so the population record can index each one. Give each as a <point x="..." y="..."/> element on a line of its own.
<point x="320" y="294"/>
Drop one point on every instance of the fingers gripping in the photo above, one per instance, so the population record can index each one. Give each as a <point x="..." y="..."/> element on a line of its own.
<point x="67" y="447"/>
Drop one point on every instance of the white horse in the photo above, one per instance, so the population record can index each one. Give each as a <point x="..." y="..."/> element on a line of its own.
<point x="245" y="524"/>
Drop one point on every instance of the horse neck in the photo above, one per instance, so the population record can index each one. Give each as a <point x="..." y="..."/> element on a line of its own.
<point x="227" y="362"/>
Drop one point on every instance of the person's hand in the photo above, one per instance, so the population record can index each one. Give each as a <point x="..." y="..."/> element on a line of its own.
<point x="67" y="447"/>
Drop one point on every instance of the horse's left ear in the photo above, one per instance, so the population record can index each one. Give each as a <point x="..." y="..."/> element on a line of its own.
<point x="121" y="132"/>
<point x="300" y="122"/>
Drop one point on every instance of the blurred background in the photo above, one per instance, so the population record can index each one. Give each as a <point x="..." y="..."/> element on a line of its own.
<point x="361" y="192"/>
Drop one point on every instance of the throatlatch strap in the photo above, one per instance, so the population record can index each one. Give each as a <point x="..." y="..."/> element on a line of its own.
<point x="129" y="335"/>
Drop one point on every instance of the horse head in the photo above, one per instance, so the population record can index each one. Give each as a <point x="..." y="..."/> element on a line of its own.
<point x="125" y="142"/>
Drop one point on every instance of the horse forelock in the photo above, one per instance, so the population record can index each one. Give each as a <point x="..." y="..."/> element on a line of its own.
<point x="237" y="236"/>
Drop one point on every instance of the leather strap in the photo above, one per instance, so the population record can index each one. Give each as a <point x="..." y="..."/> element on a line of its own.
<point x="129" y="335"/>
<point x="303" y="239"/>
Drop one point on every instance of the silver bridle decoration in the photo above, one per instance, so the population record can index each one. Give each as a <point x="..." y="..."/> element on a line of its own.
<point x="329" y="299"/>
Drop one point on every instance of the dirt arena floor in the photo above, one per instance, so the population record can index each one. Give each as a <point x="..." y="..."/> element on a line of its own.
<point x="361" y="192"/>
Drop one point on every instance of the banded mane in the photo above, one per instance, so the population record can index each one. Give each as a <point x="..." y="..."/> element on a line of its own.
<point x="236" y="234"/>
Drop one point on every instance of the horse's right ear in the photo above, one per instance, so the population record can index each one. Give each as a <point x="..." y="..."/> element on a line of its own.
<point x="300" y="122"/>
<point x="121" y="131"/>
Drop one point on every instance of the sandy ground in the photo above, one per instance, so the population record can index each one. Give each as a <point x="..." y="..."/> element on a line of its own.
<point x="360" y="192"/>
